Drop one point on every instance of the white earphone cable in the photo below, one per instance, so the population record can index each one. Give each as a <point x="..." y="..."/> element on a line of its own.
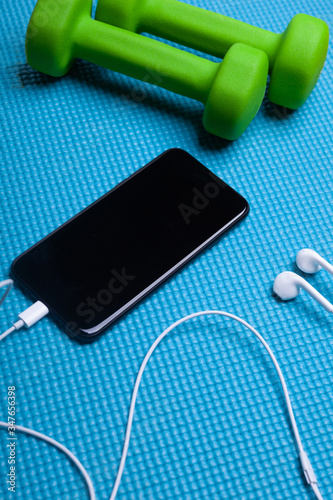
<point x="16" y="326"/>
<point x="31" y="315"/>
<point x="60" y="447"/>
<point x="39" y="310"/>
<point x="9" y="284"/>
<point x="316" y="492"/>
<point x="143" y="366"/>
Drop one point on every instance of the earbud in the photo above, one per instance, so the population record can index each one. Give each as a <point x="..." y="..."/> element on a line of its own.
<point x="288" y="285"/>
<point x="311" y="262"/>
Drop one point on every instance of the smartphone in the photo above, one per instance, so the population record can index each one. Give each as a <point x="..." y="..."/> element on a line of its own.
<point x="103" y="261"/>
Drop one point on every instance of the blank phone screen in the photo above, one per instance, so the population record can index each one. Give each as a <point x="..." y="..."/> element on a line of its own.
<point x="104" y="260"/>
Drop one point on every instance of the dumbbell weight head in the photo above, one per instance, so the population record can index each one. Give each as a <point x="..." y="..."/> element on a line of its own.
<point x="237" y="91"/>
<point x="124" y="14"/>
<point x="299" y="61"/>
<point x="50" y="34"/>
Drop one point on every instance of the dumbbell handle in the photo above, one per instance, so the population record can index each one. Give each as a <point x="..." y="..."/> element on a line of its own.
<point x="195" y="27"/>
<point x="170" y="68"/>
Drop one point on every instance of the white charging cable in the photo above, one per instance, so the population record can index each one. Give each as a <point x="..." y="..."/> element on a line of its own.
<point x="305" y="462"/>
<point x="9" y="284"/>
<point x="26" y="318"/>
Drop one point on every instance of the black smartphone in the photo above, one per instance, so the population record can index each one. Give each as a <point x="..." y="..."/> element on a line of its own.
<point x="100" y="263"/>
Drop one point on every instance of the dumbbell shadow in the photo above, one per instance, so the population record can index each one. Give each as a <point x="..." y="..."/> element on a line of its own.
<point x="275" y="111"/>
<point x="30" y="77"/>
<point x="170" y="106"/>
<point x="119" y="91"/>
<point x="107" y="81"/>
<point x="127" y="93"/>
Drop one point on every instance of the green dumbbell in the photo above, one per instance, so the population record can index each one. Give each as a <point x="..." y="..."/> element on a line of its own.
<point x="232" y="91"/>
<point x="296" y="57"/>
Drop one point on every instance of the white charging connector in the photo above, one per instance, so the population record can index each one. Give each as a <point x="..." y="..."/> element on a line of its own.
<point x="26" y="318"/>
<point x="33" y="314"/>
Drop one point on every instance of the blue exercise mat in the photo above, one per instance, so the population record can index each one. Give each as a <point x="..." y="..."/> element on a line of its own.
<point x="211" y="420"/>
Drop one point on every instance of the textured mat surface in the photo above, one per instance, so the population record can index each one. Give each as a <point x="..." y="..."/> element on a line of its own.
<point x="211" y="420"/>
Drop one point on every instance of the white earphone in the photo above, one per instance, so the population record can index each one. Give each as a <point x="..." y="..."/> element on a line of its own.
<point x="311" y="262"/>
<point x="287" y="285"/>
